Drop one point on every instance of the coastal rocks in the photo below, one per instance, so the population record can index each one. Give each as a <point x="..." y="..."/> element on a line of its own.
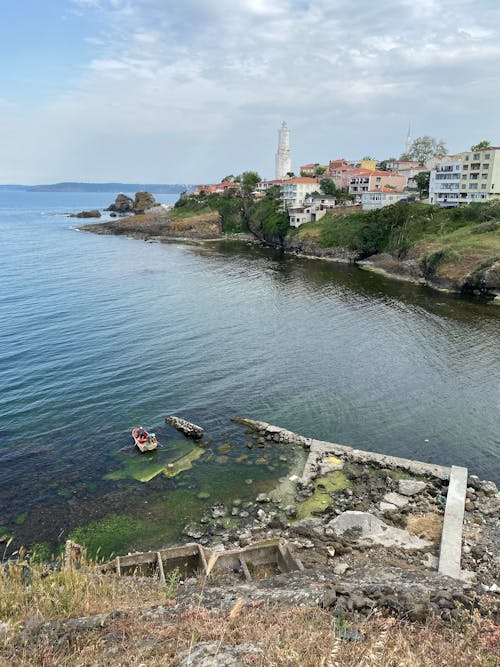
<point x="123" y="204"/>
<point x="143" y="201"/>
<point x="94" y="213"/>
<point x="374" y="530"/>
<point x="190" y="430"/>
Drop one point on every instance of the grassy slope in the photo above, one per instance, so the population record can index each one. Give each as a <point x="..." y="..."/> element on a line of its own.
<point x="452" y="242"/>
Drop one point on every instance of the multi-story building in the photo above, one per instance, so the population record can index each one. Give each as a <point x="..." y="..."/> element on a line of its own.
<point x="480" y="179"/>
<point x="295" y="190"/>
<point x="380" y="198"/>
<point x="217" y="188"/>
<point x="365" y="180"/>
<point x="444" y="184"/>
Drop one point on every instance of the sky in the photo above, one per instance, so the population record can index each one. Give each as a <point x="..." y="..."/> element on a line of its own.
<point x="188" y="91"/>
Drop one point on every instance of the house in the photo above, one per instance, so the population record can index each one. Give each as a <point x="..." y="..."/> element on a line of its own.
<point x="374" y="199"/>
<point x="295" y="190"/>
<point x="444" y="184"/>
<point x="321" y="201"/>
<point x="217" y="188"/>
<point x="263" y="186"/>
<point x="306" y="213"/>
<point x="309" y="169"/>
<point x="365" y="180"/>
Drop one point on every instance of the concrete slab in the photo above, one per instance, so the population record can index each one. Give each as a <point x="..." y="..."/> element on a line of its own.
<point x="451" y="539"/>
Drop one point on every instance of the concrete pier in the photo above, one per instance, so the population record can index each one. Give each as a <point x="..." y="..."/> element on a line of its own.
<point x="451" y="539"/>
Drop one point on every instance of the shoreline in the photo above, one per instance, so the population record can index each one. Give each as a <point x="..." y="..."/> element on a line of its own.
<point x="201" y="233"/>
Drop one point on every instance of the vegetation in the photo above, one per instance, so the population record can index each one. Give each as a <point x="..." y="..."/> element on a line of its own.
<point x="424" y="148"/>
<point x="399" y="228"/>
<point x="422" y="180"/>
<point x="482" y="144"/>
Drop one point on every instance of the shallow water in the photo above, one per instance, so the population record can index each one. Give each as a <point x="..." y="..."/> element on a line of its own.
<point x="102" y="333"/>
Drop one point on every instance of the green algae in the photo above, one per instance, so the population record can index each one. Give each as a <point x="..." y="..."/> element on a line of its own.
<point x="109" y="535"/>
<point x="144" y="468"/>
<point x="21" y="518"/>
<point x="404" y="474"/>
<point x="184" y="463"/>
<point x="320" y="498"/>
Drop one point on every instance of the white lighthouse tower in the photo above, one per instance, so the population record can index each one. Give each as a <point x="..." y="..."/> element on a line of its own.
<point x="283" y="159"/>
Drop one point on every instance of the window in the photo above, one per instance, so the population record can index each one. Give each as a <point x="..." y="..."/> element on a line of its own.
<point x="466" y="158"/>
<point x="473" y="186"/>
<point x="487" y="156"/>
<point x="483" y="186"/>
<point x="464" y="177"/>
<point x="486" y="166"/>
<point x="466" y="167"/>
<point x="484" y="176"/>
<point x="475" y="156"/>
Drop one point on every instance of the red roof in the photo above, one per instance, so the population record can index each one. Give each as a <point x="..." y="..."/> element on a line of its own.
<point x="300" y="179"/>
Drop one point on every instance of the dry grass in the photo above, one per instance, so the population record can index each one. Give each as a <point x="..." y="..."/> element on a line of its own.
<point x="28" y="590"/>
<point x="426" y="526"/>
<point x="304" y="637"/>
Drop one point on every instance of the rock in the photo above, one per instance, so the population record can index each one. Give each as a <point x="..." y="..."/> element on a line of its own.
<point x="474" y="482"/>
<point x="374" y="530"/>
<point x="143" y="201"/>
<point x="410" y="487"/>
<point x="430" y="561"/>
<point x="489" y="488"/>
<point x="419" y="612"/>
<point x="86" y="214"/>
<point x="263" y="498"/>
<point x="213" y="654"/>
<point x="340" y="569"/>
<point x="290" y="511"/>
<point x="218" y="511"/>
<point x="192" y="530"/>
<point x="190" y="430"/>
<point x="123" y="204"/>
<point x="329" y="598"/>
<point x="395" y="499"/>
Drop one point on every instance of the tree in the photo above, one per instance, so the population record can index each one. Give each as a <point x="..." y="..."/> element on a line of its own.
<point x="482" y="144"/>
<point x="249" y="180"/>
<point x="319" y="171"/>
<point x="423" y="148"/>
<point x="422" y="181"/>
<point x="328" y="186"/>
<point x="383" y="164"/>
<point x="290" y="174"/>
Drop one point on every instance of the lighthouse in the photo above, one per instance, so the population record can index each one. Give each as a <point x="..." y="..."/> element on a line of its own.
<point x="283" y="159"/>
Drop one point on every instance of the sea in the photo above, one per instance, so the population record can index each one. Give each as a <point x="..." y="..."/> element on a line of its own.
<point x="99" y="334"/>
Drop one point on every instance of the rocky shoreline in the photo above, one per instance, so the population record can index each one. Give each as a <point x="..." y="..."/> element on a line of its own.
<point x="156" y="224"/>
<point x="367" y="529"/>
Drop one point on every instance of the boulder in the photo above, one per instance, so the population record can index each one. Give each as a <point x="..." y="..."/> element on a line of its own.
<point x="410" y="487"/>
<point x="123" y="204"/>
<point x="395" y="499"/>
<point x="143" y="201"/>
<point x="94" y="213"/>
<point x="374" y="530"/>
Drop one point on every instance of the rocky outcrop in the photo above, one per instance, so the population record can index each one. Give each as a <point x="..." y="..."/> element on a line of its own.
<point x="143" y="201"/>
<point x="304" y="245"/>
<point x="94" y="213"/>
<point x="123" y="204"/>
<point x="190" y="430"/>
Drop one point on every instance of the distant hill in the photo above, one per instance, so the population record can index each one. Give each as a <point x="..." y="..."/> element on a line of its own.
<point x="158" y="188"/>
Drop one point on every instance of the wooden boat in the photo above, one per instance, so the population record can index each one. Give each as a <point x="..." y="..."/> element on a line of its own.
<point x="144" y="441"/>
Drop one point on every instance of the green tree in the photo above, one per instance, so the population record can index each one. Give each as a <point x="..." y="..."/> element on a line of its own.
<point x="422" y="181"/>
<point x="228" y="179"/>
<point x="423" y="148"/>
<point x="249" y="180"/>
<point x="290" y="174"/>
<point x="482" y="144"/>
<point x="320" y="170"/>
<point x="383" y="164"/>
<point x="328" y="186"/>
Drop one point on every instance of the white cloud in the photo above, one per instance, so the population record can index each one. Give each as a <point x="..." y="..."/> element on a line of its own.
<point x="208" y="83"/>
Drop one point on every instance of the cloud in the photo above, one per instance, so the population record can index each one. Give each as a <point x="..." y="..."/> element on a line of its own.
<point x="220" y="76"/>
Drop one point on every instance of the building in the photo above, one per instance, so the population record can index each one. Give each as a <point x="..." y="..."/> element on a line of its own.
<point x="283" y="157"/>
<point x="380" y="198"/>
<point x="444" y="184"/>
<point x="364" y="180"/>
<point x="306" y="213"/>
<point x="295" y="190"/>
<point x="480" y="175"/>
<point x="217" y="188"/>
<point x="321" y="201"/>
<point x="309" y="169"/>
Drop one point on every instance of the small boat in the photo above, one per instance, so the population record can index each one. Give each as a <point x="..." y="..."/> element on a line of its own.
<point x="144" y="441"/>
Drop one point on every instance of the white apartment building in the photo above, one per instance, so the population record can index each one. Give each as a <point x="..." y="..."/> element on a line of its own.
<point x="295" y="190"/>
<point x="380" y="198"/>
<point x="444" y="184"/>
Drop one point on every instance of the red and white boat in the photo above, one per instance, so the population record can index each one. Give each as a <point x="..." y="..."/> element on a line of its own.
<point x="144" y="441"/>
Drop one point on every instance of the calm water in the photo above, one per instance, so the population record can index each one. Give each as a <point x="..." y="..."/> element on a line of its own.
<point x="101" y="333"/>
